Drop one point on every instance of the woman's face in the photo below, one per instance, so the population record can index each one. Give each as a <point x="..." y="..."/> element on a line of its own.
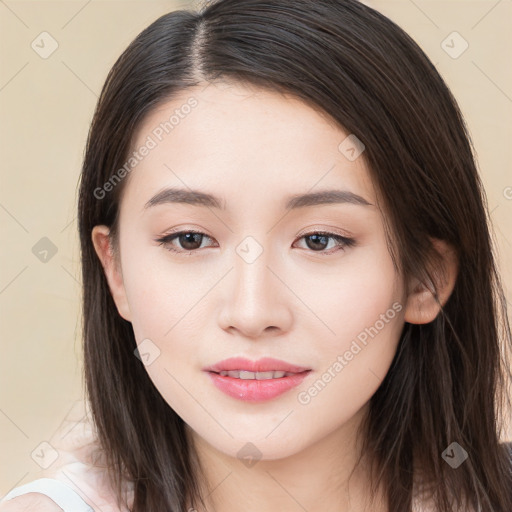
<point x="257" y="283"/>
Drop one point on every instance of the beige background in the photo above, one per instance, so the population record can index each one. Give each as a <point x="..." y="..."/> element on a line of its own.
<point x="46" y="106"/>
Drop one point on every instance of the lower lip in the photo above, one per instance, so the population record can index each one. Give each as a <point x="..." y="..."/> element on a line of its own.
<point x="252" y="390"/>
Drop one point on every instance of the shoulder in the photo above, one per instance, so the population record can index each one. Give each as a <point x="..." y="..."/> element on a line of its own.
<point x="31" y="502"/>
<point x="46" y="494"/>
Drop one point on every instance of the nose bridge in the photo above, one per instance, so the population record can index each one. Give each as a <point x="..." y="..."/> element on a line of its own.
<point x="254" y="301"/>
<point x="251" y="273"/>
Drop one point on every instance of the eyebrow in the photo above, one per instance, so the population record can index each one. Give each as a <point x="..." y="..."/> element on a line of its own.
<point x="198" y="198"/>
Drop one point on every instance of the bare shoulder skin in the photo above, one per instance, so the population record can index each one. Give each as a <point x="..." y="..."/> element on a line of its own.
<point x="30" y="502"/>
<point x="80" y="465"/>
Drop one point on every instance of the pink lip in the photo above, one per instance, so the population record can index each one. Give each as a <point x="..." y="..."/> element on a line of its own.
<point x="252" y="390"/>
<point x="266" y="364"/>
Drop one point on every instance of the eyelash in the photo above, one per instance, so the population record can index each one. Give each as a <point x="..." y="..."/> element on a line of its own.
<point x="343" y="241"/>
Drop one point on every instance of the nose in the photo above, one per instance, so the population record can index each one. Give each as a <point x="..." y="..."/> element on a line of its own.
<point x="257" y="303"/>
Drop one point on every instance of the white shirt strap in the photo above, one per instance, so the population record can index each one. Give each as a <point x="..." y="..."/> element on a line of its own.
<point x="65" y="497"/>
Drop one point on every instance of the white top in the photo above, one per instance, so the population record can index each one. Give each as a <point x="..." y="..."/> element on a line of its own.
<point x="65" y="497"/>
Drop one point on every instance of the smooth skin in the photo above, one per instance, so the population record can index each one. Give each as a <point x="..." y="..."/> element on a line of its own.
<point x="253" y="149"/>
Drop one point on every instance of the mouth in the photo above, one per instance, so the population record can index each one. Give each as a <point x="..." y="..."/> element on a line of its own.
<point x="255" y="381"/>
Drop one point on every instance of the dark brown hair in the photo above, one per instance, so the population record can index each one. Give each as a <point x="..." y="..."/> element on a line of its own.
<point x="447" y="382"/>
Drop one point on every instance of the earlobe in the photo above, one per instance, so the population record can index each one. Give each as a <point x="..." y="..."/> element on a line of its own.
<point x="422" y="306"/>
<point x="102" y="245"/>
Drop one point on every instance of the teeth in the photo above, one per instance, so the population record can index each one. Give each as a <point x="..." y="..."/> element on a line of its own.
<point x="246" y="375"/>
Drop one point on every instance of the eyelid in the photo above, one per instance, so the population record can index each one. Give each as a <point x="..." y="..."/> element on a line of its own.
<point x="311" y="230"/>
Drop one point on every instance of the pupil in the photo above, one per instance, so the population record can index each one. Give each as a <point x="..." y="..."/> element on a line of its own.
<point x="189" y="238"/>
<point x="316" y="239"/>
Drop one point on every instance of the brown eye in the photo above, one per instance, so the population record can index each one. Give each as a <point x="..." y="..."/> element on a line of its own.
<point x="188" y="241"/>
<point x="319" y="242"/>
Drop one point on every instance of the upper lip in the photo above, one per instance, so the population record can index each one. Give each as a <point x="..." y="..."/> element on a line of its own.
<point x="266" y="364"/>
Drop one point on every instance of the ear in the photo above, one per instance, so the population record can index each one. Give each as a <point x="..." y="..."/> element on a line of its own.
<point x="422" y="306"/>
<point x="103" y="246"/>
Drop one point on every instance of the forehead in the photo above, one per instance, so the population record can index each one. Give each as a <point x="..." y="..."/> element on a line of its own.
<point x="243" y="141"/>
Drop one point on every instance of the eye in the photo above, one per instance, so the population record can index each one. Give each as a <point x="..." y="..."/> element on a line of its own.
<point x="317" y="241"/>
<point x="188" y="240"/>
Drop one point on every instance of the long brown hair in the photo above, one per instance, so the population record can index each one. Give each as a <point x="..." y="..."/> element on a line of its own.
<point x="447" y="382"/>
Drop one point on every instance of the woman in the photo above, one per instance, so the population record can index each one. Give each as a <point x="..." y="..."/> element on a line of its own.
<point x="290" y="295"/>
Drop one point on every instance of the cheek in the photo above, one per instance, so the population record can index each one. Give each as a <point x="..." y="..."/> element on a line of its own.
<point x="360" y="306"/>
<point x="353" y="371"/>
<point x="161" y="293"/>
<point x="365" y="315"/>
<point x="349" y="294"/>
<point x="161" y="297"/>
